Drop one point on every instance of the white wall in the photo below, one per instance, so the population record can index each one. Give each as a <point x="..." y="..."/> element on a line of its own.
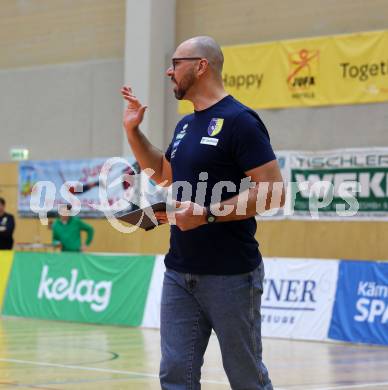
<point x="321" y="128"/>
<point x="65" y="111"/>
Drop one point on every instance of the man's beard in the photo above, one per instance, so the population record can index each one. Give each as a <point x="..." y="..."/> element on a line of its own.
<point x="185" y="84"/>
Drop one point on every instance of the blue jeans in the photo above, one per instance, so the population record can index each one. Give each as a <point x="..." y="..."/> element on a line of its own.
<point x="193" y="305"/>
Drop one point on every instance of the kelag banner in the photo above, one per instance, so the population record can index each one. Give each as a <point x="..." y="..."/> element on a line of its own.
<point x="79" y="287"/>
<point x="331" y="70"/>
<point x="338" y="182"/>
<point x="361" y="304"/>
<point x="298" y="297"/>
<point x="60" y="178"/>
<point x="307" y="299"/>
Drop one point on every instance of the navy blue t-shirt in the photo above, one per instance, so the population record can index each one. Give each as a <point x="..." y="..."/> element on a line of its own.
<point x="212" y="146"/>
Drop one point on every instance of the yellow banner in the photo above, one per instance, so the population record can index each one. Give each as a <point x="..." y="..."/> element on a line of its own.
<point x="342" y="69"/>
<point x="6" y="258"/>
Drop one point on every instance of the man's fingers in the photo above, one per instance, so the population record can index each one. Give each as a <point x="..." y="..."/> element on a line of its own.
<point x="132" y="99"/>
<point x="127" y="95"/>
<point x="127" y="88"/>
<point x="133" y="104"/>
<point x="125" y="91"/>
<point x="174" y="206"/>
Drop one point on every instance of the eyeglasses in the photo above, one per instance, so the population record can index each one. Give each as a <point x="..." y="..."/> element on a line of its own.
<point x="176" y="60"/>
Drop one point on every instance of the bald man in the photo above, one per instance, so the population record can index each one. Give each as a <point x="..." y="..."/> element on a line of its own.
<point x="214" y="271"/>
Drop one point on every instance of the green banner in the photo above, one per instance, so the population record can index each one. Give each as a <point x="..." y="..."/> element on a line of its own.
<point x="79" y="287"/>
<point x="372" y="196"/>
<point x="340" y="180"/>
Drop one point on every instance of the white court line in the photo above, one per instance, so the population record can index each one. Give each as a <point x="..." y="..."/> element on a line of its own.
<point x="154" y="376"/>
<point x="82" y="368"/>
<point x="347" y="387"/>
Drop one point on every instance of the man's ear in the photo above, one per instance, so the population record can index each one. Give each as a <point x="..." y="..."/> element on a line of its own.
<point x="203" y="66"/>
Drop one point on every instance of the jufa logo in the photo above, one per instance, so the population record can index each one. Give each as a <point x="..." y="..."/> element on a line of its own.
<point x="85" y="290"/>
<point x="303" y="68"/>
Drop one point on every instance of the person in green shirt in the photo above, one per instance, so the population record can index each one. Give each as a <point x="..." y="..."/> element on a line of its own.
<point x="66" y="232"/>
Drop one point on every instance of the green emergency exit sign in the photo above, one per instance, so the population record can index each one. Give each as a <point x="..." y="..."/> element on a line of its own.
<point x="18" y="154"/>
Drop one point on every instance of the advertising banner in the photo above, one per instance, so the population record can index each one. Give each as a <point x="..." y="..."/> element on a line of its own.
<point x="64" y="181"/>
<point x="6" y="258"/>
<point x="298" y="298"/>
<point x="283" y="158"/>
<point x="79" y="287"/>
<point x="151" y="318"/>
<point x="360" y="311"/>
<point x="347" y="183"/>
<point x="329" y="70"/>
<point x="343" y="184"/>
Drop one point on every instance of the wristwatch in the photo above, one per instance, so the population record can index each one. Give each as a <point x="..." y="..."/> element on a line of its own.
<point x="210" y="217"/>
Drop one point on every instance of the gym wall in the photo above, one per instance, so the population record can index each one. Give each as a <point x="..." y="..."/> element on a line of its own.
<point x="62" y="67"/>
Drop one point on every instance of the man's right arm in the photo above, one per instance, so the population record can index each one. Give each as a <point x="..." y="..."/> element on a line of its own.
<point x="146" y="154"/>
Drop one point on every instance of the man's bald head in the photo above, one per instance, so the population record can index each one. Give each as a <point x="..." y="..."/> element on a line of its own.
<point x="206" y="47"/>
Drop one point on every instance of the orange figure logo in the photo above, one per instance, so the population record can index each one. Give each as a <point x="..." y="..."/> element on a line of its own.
<point x="302" y="64"/>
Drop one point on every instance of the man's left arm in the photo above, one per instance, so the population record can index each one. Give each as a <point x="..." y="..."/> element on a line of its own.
<point x="55" y="238"/>
<point x="89" y="231"/>
<point x="266" y="192"/>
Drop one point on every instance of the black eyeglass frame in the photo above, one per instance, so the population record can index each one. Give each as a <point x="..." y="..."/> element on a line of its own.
<point x="177" y="59"/>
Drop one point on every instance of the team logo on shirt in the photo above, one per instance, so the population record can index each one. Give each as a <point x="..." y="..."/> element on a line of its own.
<point x="215" y="126"/>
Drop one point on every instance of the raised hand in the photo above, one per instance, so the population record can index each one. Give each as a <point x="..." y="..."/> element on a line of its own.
<point x="134" y="113"/>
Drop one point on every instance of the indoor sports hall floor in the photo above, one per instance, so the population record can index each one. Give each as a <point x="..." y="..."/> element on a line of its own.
<point x="38" y="354"/>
